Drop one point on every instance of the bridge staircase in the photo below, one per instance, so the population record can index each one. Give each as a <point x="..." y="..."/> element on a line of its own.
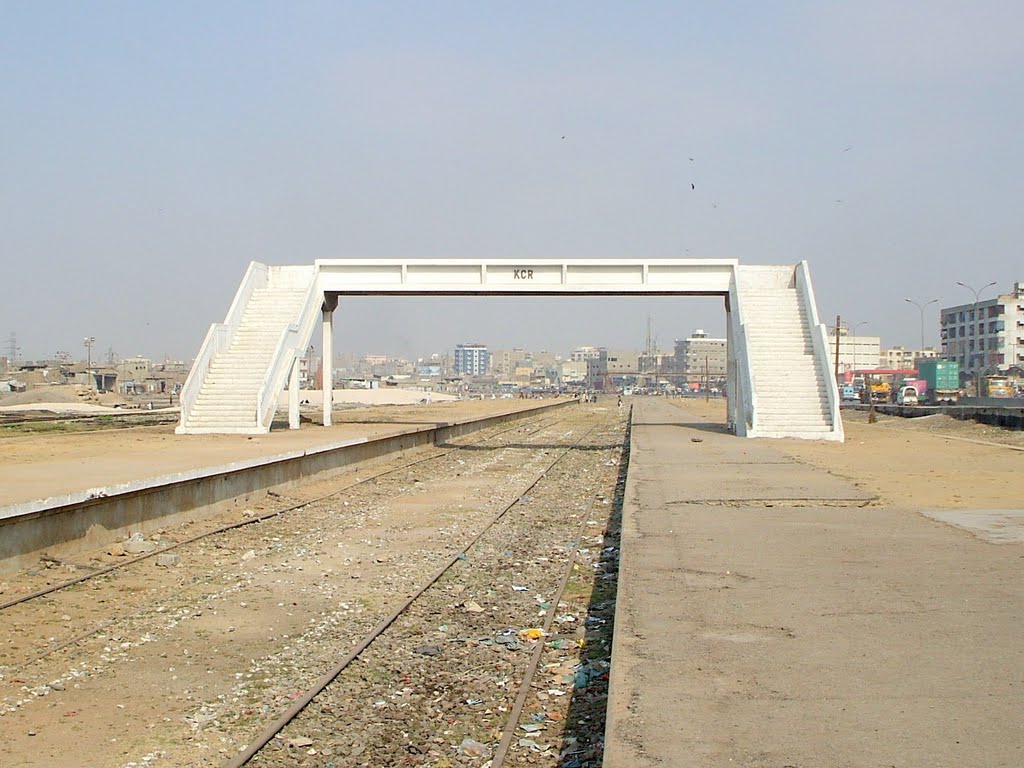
<point x="787" y="365"/>
<point x="245" y="361"/>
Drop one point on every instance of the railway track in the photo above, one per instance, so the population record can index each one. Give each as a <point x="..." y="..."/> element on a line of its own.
<point x="10" y="422"/>
<point x="92" y="572"/>
<point x="236" y="574"/>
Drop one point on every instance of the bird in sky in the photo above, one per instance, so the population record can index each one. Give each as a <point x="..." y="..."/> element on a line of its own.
<point x="692" y="185"/>
<point x="847" y="149"/>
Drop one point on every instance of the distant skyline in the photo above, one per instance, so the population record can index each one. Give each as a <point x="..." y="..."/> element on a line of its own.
<point x="151" y="151"/>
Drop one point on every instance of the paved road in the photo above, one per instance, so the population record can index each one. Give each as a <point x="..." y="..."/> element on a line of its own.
<point x="766" y="618"/>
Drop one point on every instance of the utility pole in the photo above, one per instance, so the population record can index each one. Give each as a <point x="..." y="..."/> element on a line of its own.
<point x="12" y="348"/>
<point x="707" y="380"/>
<point x="89" y="341"/>
<point x="838" y="321"/>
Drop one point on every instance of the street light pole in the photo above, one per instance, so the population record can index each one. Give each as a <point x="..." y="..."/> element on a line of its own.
<point x="920" y="308"/>
<point x="854" y="328"/>
<point x="89" y="341"/>
<point x="976" y="335"/>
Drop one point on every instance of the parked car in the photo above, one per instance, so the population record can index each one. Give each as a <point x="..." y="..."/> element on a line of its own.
<point x="850" y="393"/>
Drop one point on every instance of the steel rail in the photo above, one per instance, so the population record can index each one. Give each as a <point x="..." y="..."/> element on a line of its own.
<point x="268" y="734"/>
<point x="238" y="524"/>
<point x="502" y="750"/>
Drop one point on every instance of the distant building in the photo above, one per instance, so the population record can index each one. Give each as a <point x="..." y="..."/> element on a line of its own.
<point x="611" y="366"/>
<point x="574" y="372"/>
<point x="505" y="361"/>
<point x="899" y="358"/>
<point x="581" y="354"/>
<point x="855" y="352"/>
<point x="986" y="335"/>
<point x="472" y="359"/>
<point x="310" y="373"/>
<point x="700" y="352"/>
<point x="134" y="368"/>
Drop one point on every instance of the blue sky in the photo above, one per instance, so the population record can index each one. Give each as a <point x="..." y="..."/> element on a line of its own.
<point x="151" y="151"/>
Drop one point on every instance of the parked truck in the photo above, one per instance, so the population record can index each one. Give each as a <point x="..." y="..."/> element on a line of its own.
<point x="996" y="386"/>
<point x="943" y="380"/>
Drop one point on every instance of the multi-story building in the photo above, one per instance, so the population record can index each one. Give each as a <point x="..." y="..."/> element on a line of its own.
<point x="505" y="361"/>
<point x="133" y="368"/>
<point x="472" y="359"/>
<point x="985" y="335"/>
<point x="856" y="353"/>
<point x="614" y="365"/>
<point x="574" y="372"/>
<point x="581" y="354"/>
<point x="700" y="353"/>
<point x="900" y="359"/>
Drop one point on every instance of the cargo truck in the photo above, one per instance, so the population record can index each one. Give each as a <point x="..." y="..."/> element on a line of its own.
<point x="996" y="386"/>
<point x="943" y="378"/>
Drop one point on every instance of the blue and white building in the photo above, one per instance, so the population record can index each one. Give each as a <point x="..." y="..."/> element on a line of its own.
<point x="472" y="359"/>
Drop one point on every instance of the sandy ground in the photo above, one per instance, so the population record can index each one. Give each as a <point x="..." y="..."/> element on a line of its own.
<point x="40" y="466"/>
<point x="933" y="462"/>
<point x="69" y="400"/>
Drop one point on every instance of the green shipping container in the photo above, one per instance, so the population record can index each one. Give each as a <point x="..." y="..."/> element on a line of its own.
<point x="940" y="374"/>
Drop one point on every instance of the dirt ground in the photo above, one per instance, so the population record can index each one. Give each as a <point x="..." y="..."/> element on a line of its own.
<point x="930" y="462"/>
<point x="35" y="466"/>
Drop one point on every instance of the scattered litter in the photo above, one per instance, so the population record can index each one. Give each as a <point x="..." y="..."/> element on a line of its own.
<point x="428" y="650"/>
<point x="533" y="745"/>
<point x="471" y="748"/>
<point x="532" y="633"/>
<point x="696" y="440"/>
<point x="516" y="588"/>
<point x="510" y="641"/>
<point x="300" y="742"/>
<point x="472" y="607"/>
<point x="138" y="545"/>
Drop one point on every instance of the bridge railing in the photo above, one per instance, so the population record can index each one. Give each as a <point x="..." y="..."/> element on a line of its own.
<point x="744" y="373"/>
<point x="219" y="336"/>
<point x="292" y="341"/>
<point x="819" y="341"/>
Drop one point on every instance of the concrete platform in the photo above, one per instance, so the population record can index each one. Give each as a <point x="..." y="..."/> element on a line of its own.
<point x="38" y="466"/>
<point x="766" y="618"/>
<point x="119" y="487"/>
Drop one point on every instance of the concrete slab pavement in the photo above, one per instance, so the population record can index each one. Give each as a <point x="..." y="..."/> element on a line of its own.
<point x="766" y="617"/>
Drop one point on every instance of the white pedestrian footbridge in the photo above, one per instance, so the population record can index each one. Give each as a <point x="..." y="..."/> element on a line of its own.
<point x="779" y="380"/>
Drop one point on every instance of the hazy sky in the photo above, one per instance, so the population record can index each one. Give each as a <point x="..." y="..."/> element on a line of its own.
<point x="149" y="152"/>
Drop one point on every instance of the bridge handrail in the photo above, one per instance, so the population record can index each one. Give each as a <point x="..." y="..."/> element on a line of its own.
<point x="743" y="360"/>
<point x="219" y="336"/>
<point x="293" y="339"/>
<point x="819" y="341"/>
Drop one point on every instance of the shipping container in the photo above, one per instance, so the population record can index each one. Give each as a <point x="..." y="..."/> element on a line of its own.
<point x="942" y="375"/>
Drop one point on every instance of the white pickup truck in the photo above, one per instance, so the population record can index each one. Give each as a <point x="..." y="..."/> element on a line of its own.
<point x="906" y="396"/>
